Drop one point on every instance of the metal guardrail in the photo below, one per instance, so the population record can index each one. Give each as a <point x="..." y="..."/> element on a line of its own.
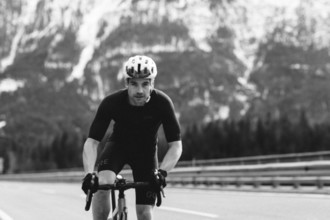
<point x="313" y="169"/>
<point x="274" y="175"/>
<point x="65" y="176"/>
<point x="296" y="174"/>
<point x="275" y="158"/>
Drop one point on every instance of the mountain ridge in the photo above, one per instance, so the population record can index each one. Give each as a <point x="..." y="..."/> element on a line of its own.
<point x="217" y="60"/>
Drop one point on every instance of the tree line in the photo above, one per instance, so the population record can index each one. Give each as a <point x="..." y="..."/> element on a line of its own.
<point x="216" y="139"/>
<point x="63" y="152"/>
<point x="252" y="137"/>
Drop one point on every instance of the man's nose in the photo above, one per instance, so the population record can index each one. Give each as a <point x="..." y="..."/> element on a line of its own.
<point x="139" y="89"/>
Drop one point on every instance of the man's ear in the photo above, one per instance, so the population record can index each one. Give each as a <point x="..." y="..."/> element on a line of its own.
<point x="152" y="83"/>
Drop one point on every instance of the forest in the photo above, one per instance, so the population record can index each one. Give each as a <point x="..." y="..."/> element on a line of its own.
<point x="216" y="139"/>
<point x="246" y="137"/>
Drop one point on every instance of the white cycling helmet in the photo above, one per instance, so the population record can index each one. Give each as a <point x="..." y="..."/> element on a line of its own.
<point x="141" y="67"/>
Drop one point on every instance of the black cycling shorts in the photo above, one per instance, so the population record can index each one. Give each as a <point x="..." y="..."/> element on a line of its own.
<point x="114" y="157"/>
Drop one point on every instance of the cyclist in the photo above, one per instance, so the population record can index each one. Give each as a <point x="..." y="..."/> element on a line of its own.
<point x="137" y="111"/>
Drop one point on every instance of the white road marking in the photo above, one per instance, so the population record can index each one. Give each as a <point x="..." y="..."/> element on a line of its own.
<point x="209" y="215"/>
<point x="4" y="216"/>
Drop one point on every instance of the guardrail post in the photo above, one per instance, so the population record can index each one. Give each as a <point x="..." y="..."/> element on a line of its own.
<point x="319" y="183"/>
<point x="193" y="162"/>
<point x="256" y="183"/>
<point x="194" y="182"/>
<point x="275" y="183"/>
<point x="296" y="183"/>
<point x="238" y="182"/>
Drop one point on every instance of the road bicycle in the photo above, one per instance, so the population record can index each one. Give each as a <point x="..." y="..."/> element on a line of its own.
<point x="119" y="210"/>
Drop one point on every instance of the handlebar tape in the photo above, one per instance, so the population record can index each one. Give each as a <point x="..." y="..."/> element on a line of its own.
<point x="90" y="194"/>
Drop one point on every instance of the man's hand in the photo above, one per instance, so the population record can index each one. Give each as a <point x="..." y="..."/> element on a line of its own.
<point x="158" y="183"/>
<point x="162" y="174"/>
<point x="158" y="179"/>
<point x="90" y="182"/>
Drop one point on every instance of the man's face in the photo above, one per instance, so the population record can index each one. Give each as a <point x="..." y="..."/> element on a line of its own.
<point x="139" y="91"/>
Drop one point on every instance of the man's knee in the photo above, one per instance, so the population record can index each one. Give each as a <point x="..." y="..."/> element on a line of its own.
<point x="101" y="205"/>
<point x="106" y="177"/>
<point x="101" y="200"/>
<point x="144" y="212"/>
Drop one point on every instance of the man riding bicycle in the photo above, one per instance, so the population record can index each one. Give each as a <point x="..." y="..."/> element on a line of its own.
<point x="137" y="112"/>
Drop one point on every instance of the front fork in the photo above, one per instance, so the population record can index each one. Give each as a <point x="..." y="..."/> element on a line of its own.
<point x="122" y="202"/>
<point x="119" y="211"/>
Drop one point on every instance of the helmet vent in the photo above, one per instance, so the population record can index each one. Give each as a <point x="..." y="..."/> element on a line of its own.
<point x="139" y="67"/>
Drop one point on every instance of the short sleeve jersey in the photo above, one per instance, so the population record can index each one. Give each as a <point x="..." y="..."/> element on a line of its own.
<point x="136" y="124"/>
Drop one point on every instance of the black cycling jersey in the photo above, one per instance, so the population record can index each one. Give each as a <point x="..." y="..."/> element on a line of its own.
<point x="134" y="137"/>
<point x="136" y="124"/>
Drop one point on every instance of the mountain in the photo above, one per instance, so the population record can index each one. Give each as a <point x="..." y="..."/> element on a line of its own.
<point x="216" y="59"/>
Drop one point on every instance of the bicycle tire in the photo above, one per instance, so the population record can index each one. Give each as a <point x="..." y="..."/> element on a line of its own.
<point x="115" y="217"/>
<point x="123" y="216"/>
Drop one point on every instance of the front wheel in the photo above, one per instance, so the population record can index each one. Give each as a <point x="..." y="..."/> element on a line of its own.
<point x="119" y="216"/>
<point x="123" y="216"/>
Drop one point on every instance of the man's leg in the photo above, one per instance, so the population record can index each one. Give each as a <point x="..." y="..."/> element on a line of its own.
<point x="101" y="200"/>
<point x="144" y="212"/>
<point x="142" y="166"/>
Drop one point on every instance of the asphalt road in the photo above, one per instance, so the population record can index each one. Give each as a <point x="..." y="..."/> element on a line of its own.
<point x="54" y="201"/>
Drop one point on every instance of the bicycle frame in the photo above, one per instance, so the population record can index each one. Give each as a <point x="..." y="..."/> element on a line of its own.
<point x="119" y="211"/>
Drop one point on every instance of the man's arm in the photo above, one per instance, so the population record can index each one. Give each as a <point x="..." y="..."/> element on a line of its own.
<point x="90" y="154"/>
<point x="172" y="155"/>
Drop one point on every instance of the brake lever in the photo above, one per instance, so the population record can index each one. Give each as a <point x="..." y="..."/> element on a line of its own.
<point x="162" y="191"/>
<point x="89" y="195"/>
<point x="159" y="199"/>
<point x="88" y="200"/>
